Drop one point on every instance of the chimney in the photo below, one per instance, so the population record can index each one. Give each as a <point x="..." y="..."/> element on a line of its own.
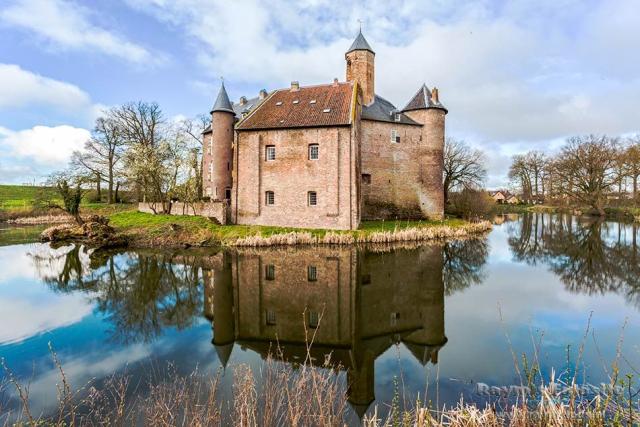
<point x="262" y="94"/>
<point x="335" y="81"/>
<point x="434" y="95"/>
<point x="295" y="86"/>
<point x="243" y="100"/>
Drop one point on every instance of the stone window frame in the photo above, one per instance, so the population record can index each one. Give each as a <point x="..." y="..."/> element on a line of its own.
<point x="311" y="153"/>
<point x="270" y="317"/>
<point x="312" y="198"/>
<point x="395" y="136"/>
<point x="395" y="316"/>
<point x="270" y="153"/>
<point x="227" y="193"/>
<point x="366" y="178"/>
<point x="314" y="319"/>
<point x="312" y="273"/>
<point x="269" y="198"/>
<point x="270" y="272"/>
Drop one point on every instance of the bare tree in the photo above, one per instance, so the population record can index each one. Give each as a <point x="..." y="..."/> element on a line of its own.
<point x="585" y="168"/>
<point x="102" y="154"/>
<point x="520" y="174"/>
<point x="194" y="129"/>
<point x="463" y="167"/>
<point x="632" y="163"/>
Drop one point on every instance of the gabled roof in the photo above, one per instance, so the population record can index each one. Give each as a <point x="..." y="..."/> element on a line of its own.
<point x="360" y="43"/>
<point x="311" y="106"/>
<point x="382" y="110"/>
<point x="222" y="102"/>
<point x="422" y="100"/>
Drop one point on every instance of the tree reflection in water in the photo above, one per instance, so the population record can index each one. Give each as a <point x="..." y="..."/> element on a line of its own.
<point x="139" y="293"/>
<point x="357" y="302"/>
<point x="589" y="255"/>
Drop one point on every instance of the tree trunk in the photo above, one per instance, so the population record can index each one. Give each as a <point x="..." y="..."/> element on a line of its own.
<point x="110" y="201"/>
<point x="116" y="193"/>
<point x="98" y="187"/>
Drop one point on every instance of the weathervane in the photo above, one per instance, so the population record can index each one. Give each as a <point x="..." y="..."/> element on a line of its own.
<point x="360" y="23"/>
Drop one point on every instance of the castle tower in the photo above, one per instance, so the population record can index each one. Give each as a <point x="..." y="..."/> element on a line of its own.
<point x="361" y="67"/>
<point x="218" y="155"/>
<point x="221" y="288"/>
<point x="425" y="108"/>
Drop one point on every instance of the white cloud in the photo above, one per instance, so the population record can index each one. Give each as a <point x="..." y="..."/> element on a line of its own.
<point x="67" y="25"/>
<point x="21" y="88"/>
<point x="50" y="146"/>
<point x="521" y="72"/>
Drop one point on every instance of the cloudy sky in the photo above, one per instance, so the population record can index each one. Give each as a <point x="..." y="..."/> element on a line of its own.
<point x="515" y="75"/>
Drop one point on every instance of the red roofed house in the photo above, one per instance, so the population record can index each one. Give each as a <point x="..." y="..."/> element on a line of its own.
<point x="327" y="156"/>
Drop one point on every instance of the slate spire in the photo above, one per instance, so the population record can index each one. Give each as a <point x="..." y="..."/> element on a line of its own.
<point x="222" y="101"/>
<point x="360" y="43"/>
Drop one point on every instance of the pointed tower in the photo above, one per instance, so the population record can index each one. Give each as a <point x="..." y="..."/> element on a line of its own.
<point x="425" y="108"/>
<point x="218" y="149"/>
<point x="223" y="310"/>
<point x="361" y="67"/>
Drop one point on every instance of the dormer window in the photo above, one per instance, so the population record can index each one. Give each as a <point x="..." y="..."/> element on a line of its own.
<point x="279" y="103"/>
<point x="295" y="101"/>
<point x="326" y="110"/>
<point x="397" y="117"/>
<point x="313" y="101"/>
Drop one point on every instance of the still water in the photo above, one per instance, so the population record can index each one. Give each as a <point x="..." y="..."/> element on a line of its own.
<point x="436" y="319"/>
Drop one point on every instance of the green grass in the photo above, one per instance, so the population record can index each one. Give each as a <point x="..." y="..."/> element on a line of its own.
<point x="148" y="226"/>
<point x="18" y="201"/>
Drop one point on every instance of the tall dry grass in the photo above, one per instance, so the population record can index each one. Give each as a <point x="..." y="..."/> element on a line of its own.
<point x="413" y="234"/>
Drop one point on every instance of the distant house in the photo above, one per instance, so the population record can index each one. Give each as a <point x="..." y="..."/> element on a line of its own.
<point x="504" y="197"/>
<point x="512" y="199"/>
<point x="498" y="196"/>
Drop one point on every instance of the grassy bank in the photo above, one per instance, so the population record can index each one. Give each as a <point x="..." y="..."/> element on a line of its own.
<point x="19" y="202"/>
<point x="164" y="230"/>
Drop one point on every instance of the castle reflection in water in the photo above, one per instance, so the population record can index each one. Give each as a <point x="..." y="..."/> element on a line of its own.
<point x="355" y="303"/>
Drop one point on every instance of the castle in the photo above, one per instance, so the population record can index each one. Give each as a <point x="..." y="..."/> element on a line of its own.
<point x="326" y="156"/>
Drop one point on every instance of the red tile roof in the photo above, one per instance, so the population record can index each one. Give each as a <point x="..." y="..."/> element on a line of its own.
<point x="280" y="110"/>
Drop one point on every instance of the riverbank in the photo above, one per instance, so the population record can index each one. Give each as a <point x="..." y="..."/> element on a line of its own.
<point x="147" y="230"/>
<point x="612" y="212"/>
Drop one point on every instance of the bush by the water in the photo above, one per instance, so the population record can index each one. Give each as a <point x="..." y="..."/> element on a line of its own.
<point x="470" y="204"/>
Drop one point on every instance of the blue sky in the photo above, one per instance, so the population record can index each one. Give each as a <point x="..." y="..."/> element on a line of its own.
<point x="515" y="75"/>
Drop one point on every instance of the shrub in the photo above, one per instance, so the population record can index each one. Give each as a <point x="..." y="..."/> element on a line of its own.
<point x="471" y="204"/>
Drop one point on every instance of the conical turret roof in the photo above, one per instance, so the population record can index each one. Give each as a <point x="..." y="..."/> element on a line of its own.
<point x="423" y="99"/>
<point x="360" y="43"/>
<point x="222" y="102"/>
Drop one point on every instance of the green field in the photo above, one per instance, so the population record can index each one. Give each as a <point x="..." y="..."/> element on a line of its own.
<point x="19" y="201"/>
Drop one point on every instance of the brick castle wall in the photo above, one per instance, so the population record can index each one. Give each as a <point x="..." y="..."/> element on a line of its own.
<point x="292" y="175"/>
<point x="406" y="177"/>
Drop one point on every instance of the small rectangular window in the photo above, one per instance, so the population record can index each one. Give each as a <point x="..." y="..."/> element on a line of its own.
<point x="394" y="318"/>
<point x="366" y="178"/>
<point x="312" y="198"/>
<point x="270" y="316"/>
<point x="366" y="279"/>
<point x="270" y="272"/>
<point x="312" y="273"/>
<point x="314" y="151"/>
<point x="314" y="319"/>
<point x="269" y="198"/>
<point x="395" y="136"/>
<point x="227" y="193"/>
<point x="270" y="153"/>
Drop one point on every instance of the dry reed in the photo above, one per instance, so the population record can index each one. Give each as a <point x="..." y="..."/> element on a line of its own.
<point x="413" y="234"/>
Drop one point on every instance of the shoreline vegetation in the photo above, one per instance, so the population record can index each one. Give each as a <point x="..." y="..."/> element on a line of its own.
<point x="143" y="230"/>
<point x="307" y="394"/>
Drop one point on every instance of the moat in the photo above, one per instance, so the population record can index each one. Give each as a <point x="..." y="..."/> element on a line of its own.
<point x="436" y="318"/>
